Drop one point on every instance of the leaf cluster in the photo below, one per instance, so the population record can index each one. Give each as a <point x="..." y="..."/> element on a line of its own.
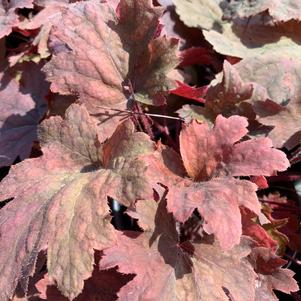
<point x="101" y="103"/>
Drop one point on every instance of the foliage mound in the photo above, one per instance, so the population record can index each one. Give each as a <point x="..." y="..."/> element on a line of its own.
<point x="142" y="141"/>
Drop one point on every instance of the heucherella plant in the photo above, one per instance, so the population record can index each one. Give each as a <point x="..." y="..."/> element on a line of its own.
<point x="89" y="92"/>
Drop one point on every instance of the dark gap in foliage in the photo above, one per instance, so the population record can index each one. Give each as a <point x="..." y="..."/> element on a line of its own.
<point x="15" y="39"/>
<point x="27" y="12"/>
<point x="121" y="220"/>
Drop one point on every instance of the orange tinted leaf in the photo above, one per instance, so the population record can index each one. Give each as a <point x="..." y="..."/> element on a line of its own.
<point x="212" y="156"/>
<point x="103" y="52"/>
<point x="60" y="201"/>
<point x="166" y="270"/>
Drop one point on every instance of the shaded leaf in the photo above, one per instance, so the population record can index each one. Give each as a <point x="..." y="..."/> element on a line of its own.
<point x="22" y="107"/>
<point x="218" y="203"/>
<point x="169" y="270"/>
<point x="283" y="214"/>
<point x="225" y="96"/>
<point x="192" y="112"/>
<point x="102" y="286"/>
<point x="248" y="89"/>
<point x="242" y="37"/>
<point x="257" y="232"/>
<point x="280" y="10"/>
<point x="196" y="55"/>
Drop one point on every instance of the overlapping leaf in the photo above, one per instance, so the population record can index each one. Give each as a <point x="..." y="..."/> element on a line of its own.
<point x="212" y="158"/>
<point x="21" y="108"/>
<point x="167" y="269"/>
<point x="270" y="275"/>
<point x="60" y="199"/>
<point x="284" y="10"/>
<point x="200" y="13"/>
<point x="105" y="56"/>
<point x="8" y="14"/>
<point x="44" y="20"/>
<point x="248" y="89"/>
<point x="242" y="37"/>
<point x="287" y="224"/>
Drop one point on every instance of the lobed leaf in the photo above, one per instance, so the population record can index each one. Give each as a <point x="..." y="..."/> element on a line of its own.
<point x="248" y="89"/>
<point x="169" y="270"/>
<point x="60" y="201"/>
<point x="271" y="275"/>
<point x="208" y="152"/>
<point x="8" y="14"/>
<point x="280" y="11"/>
<point x="200" y="13"/>
<point x="21" y="108"/>
<point x="105" y="55"/>
<point x="211" y="158"/>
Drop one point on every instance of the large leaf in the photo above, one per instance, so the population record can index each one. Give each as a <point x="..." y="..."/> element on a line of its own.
<point x="60" y="200"/>
<point x="242" y="37"/>
<point x="283" y="89"/>
<point x="252" y="37"/>
<point x="102" y="56"/>
<point x="167" y="269"/>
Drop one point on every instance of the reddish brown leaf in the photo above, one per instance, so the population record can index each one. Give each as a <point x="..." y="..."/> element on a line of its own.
<point x="282" y="209"/>
<point x="21" y="108"/>
<point x="100" y="53"/>
<point x="60" y="201"/>
<point x="196" y="55"/>
<point x="260" y="181"/>
<point x="218" y="202"/>
<point x="166" y="271"/>
<point x="256" y="231"/>
<point x="207" y="152"/>
<point x="224" y="96"/>
<point x="211" y="157"/>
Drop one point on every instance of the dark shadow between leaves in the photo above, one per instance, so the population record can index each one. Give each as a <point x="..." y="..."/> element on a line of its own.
<point x="19" y="130"/>
<point x="169" y="245"/>
<point x="103" y="285"/>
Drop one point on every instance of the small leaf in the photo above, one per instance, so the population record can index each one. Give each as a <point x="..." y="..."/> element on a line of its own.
<point x="8" y="15"/>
